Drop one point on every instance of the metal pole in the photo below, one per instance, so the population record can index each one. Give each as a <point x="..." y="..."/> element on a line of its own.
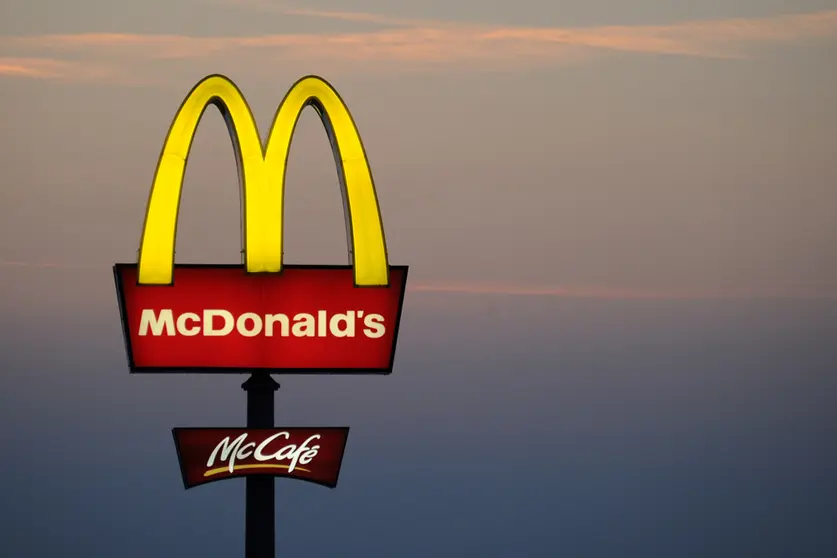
<point x="260" y="512"/>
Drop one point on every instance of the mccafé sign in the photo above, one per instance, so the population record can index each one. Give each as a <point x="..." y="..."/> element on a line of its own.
<point x="263" y="314"/>
<point x="211" y="454"/>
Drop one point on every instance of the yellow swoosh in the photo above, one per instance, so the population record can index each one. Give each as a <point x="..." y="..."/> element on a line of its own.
<point x="219" y="470"/>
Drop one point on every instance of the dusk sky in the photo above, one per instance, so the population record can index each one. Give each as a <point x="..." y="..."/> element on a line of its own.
<point x="620" y="331"/>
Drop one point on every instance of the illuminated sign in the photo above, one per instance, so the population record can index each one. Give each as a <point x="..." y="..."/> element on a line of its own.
<point x="212" y="454"/>
<point x="263" y="314"/>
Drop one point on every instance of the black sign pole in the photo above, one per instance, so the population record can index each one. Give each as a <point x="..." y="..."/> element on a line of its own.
<point x="259" y="520"/>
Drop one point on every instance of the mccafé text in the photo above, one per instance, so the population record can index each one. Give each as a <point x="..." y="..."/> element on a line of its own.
<point x="239" y="450"/>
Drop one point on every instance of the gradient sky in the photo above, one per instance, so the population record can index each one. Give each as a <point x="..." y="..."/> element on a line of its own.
<point x="619" y="335"/>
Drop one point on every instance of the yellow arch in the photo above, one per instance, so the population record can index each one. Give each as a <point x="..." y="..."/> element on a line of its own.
<point x="262" y="180"/>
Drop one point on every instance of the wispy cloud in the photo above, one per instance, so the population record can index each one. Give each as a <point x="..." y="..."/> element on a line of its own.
<point x="51" y="68"/>
<point x="552" y="291"/>
<point x="19" y="264"/>
<point x="66" y="70"/>
<point x="650" y="38"/>
<point x="616" y="293"/>
<point x="355" y="17"/>
<point x="408" y="43"/>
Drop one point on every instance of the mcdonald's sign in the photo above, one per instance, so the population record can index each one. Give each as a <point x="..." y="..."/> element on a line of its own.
<point x="262" y="314"/>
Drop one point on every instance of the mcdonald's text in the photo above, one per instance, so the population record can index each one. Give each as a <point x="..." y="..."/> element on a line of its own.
<point x="220" y="323"/>
<point x="310" y="454"/>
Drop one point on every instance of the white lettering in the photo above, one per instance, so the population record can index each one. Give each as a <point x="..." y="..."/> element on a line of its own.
<point x="374" y="326"/>
<point x="348" y="318"/>
<point x="237" y="450"/>
<point x="209" y="323"/>
<point x="309" y="323"/>
<point x="322" y="323"/>
<point x="271" y="319"/>
<point x="241" y="324"/>
<point x="148" y="319"/>
<point x="184" y="329"/>
<point x="221" y="323"/>
<point x="230" y="451"/>
<point x="262" y="457"/>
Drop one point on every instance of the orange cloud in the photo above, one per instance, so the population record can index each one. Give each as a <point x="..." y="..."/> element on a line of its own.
<point x="782" y="27"/>
<point x="50" y="68"/>
<point x="610" y="293"/>
<point x="416" y="43"/>
<point x="65" y="70"/>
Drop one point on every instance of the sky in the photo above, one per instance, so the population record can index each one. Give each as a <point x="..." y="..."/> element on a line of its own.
<point x="619" y="332"/>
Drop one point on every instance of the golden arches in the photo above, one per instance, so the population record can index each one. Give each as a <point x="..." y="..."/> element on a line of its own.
<point x="262" y="179"/>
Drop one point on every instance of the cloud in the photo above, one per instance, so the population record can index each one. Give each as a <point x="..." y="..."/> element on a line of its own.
<point x="66" y="70"/>
<point x="557" y="291"/>
<point x="610" y="293"/>
<point x="718" y="38"/>
<point x="780" y="28"/>
<point x="50" y="68"/>
<point x="47" y="265"/>
<point x="407" y="44"/>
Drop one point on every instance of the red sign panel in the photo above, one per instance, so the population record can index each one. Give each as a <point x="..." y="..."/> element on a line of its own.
<point x="211" y="454"/>
<point x="306" y="319"/>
